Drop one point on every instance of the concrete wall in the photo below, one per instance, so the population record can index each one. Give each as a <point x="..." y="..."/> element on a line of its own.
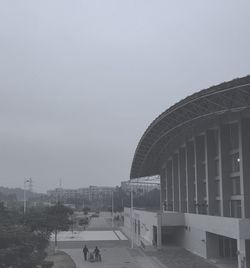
<point x="171" y="218"/>
<point x="198" y="232"/>
<point x="147" y="220"/>
<point x="218" y="225"/>
<point x="194" y="240"/>
<point x="194" y="232"/>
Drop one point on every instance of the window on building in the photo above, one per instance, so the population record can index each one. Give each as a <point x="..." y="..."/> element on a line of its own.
<point x="235" y="185"/>
<point x="234" y="162"/>
<point x="235" y="208"/>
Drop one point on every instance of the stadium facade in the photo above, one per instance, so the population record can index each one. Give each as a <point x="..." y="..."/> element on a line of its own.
<point x="200" y="147"/>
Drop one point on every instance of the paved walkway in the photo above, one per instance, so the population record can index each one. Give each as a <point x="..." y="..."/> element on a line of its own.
<point x="176" y="257"/>
<point x="115" y="250"/>
<point x="120" y="257"/>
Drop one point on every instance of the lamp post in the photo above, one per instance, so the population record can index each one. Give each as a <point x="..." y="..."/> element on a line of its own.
<point x="131" y="215"/>
<point x="112" y="208"/>
<point x="24" y="194"/>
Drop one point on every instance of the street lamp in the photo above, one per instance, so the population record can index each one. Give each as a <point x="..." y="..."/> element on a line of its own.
<point x="24" y="194"/>
<point x="112" y="208"/>
<point x="131" y="215"/>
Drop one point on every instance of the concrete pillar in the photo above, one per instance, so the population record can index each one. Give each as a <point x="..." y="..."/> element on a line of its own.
<point x="224" y="166"/>
<point x="244" y="147"/>
<point x="159" y="230"/>
<point x="200" y="174"/>
<point x="211" y="170"/>
<point x="190" y="175"/>
<point x="241" y="245"/>
<point x="176" y="182"/>
<point x="169" y="185"/>
<point x="182" y="180"/>
<point x="162" y="188"/>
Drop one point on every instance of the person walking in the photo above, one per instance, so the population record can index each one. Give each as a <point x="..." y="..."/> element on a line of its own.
<point x="85" y="252"/>
<point x="97" y="254"/>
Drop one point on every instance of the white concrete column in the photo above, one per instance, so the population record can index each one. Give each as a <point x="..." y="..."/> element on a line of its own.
<point x="190" y="176"/>
<point x="212" y="174"/>
<point x="244" y="166"/>
<point x="176" y="182"/>
<point x="200" y="173"/>
<point x="225" y="181"/>
<point x="169" y="186"/>
<point x="182" y="180"/>
<point x="241" y="245"/>
<point x="163" y="188"/>
<point x="159" y="233"/>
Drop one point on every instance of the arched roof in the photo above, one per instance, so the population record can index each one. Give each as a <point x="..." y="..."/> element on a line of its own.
<point x="156" y="142"/>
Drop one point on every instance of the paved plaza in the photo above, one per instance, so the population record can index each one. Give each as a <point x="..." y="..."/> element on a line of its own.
<point x="116" y="252"/>
<point x="114" y="246"/>
<point x="113" y="257"/>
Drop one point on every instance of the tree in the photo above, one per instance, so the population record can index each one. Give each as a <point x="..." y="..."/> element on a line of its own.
<point x="86" y="210"/>
<point x="49" y="220"/>
<point x="20" y="247"/>
<point x="58" y="219"/>
<point x="37" y="221"/>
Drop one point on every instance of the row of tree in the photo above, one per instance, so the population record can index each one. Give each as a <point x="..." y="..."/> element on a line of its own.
<point x="24" y="238"/>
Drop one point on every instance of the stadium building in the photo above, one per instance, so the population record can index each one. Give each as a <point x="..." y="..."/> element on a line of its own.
<point x="200" y="147"/>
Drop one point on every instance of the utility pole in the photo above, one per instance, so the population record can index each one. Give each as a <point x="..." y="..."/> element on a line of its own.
<point x="131" y="215"/>
<point x="24" y="194"/>
<point x="112" y="208"/>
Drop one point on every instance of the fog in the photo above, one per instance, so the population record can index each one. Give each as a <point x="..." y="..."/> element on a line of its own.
<point x="80" y="81"/>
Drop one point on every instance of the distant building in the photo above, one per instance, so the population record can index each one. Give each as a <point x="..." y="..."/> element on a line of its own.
<point x="138" y="188"/>
<point x="90" y="193"/>
<point x="200" y="147"/>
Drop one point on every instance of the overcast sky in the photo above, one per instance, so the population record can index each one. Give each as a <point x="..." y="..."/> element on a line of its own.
<point x="80" y="81"/>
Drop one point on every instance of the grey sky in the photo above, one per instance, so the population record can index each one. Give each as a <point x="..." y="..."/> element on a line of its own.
<point x="80" y="81"/>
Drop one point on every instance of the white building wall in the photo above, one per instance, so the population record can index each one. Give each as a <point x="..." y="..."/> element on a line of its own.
<point x="147" y="221"/>
<point x="194" y="240"/>
<point x="224" y="226"/>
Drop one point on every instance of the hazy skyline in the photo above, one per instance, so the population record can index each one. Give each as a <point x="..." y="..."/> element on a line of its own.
<point x="80" y="81"/>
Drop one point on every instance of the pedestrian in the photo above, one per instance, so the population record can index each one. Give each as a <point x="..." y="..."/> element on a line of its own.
<point x="85" y="252"/>
<point x="97" y="254"/>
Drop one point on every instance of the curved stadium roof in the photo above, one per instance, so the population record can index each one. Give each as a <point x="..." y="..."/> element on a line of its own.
<point x="158" y="139"/>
